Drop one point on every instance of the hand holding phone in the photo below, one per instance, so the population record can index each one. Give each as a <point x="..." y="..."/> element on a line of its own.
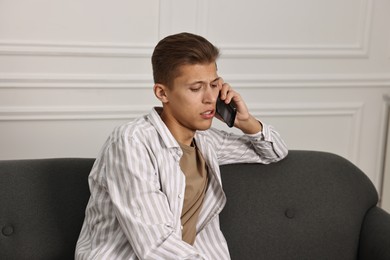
<point x="226" y="111"/>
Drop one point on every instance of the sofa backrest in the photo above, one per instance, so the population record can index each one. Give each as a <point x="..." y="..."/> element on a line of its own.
<point x="311" y="205"/>
<point x="308" y="206"/>
<point x="42" y="204"/>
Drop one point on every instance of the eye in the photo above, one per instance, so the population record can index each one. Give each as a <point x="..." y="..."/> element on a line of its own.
<point x="195" y="89"/>
<point x="215" y="83"/>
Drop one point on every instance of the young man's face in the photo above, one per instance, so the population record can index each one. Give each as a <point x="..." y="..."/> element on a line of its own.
<point x="192" y="98"/>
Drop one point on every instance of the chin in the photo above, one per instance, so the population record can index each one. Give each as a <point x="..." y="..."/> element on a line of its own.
<point x="204" y="127"/>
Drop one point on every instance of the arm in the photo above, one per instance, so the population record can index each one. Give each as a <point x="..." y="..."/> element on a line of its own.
<point x="261" y="143"/>
<point x="264" y="147"/>
<point x="142" y="209"/>
<point x="375" y="235"/>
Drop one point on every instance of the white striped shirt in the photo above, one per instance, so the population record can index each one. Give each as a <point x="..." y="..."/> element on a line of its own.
<point x="137" y="191"/>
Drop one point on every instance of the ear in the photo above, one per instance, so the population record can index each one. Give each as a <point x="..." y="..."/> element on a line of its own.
<point x="160" y="91"/>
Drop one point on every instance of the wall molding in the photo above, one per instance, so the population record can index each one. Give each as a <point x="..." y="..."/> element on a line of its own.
<point x="353" y="110"/>
<point x="382" y="162"/>
<point x="145" y="81"/>
<point x="73" y="113"/>
<point x="307" y="109"/>
<point x="65" y="113"/>
<point x="17" y="113"/>
<point x="78" y="49"/>
<point x="309" y="81"/>
<point x="144" y="50"/>
<point x="165" y="18"/>
<point x="75" y="81"/>
<point x="359" y="49"/>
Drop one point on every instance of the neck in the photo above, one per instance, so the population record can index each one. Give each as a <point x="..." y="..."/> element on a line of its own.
<point x="179" y="132"/>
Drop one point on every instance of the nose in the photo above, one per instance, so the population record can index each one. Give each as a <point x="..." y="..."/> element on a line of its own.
<point x="209" y="95"/>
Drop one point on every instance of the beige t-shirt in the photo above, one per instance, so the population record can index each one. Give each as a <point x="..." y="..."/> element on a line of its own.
<point x="195" y="170"/>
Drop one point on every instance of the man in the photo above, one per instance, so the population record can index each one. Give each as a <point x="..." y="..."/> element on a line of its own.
<point x="156" y="188"/>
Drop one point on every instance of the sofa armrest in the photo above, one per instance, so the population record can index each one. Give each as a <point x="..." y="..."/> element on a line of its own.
<point x="375" y="235"/>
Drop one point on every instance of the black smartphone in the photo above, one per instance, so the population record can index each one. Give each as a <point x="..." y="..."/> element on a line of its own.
<point x="226" y="111"/>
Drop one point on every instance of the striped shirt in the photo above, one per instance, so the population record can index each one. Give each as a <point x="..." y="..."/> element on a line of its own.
<point x="137" y="191"/>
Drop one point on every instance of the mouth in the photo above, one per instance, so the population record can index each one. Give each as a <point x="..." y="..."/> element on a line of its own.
<point x="208" y="114"/>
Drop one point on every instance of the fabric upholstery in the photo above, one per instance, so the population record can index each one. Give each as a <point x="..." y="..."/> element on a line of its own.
<point x="42" y="204"/>
<point x="375" y="236"/>
<point x="311" y="205"/>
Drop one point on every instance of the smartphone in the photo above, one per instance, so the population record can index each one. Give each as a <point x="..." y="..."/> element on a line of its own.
<point x="226" y="111"/>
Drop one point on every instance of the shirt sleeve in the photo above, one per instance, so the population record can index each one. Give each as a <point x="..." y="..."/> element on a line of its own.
<point x="142" y="209"/>
<point x="264" y="147"/>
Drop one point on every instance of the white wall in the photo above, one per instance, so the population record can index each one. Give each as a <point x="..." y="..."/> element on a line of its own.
<point x="319" y="71"/>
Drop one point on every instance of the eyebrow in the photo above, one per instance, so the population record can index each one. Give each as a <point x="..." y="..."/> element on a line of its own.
<point x="218" y="78"/>
<point x="202" y="82"/>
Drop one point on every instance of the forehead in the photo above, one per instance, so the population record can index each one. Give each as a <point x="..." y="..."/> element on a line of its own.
<point x="197" y="73"/>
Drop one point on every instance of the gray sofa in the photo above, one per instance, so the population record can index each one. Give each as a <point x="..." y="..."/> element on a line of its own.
<point x="311" y="205"/>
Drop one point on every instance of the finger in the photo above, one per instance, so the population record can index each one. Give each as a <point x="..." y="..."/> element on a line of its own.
<point x="225" y="90"/>
<point x="220" y="83"/>
<point x="230" y="95"/>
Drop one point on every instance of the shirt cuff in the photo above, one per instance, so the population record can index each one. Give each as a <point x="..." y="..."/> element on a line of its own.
<point x="263" y="135"/>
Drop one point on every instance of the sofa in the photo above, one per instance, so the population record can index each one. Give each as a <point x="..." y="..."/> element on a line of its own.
<point x="311" y="205"/>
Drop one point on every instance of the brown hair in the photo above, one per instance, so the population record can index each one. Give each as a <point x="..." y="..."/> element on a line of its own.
<point x="180" y="49"/>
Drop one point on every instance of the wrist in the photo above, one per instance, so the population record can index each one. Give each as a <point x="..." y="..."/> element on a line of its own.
<point x="250" y="126"/>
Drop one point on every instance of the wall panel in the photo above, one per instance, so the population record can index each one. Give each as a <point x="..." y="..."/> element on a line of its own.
<point x="284" y="28"/>
<point x="91" y="28"/>
<point x="317" y="70"/>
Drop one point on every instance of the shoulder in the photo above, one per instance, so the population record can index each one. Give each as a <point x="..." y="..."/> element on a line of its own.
<point x="211" y="136"/>
<point x="137" y="130"/>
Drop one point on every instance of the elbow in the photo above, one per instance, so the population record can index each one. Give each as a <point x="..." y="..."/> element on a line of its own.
<point x="283" y="154"/>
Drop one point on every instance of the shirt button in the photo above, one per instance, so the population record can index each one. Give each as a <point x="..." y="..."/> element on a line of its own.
<point x="180" y="196"/>
<point x="181" y="227"/>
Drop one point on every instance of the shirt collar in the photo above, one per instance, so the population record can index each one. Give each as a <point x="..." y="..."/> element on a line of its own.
<point x="161" y="128"/>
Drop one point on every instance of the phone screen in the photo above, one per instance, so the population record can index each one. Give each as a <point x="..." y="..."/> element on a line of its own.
<point x="226" y="111"/>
